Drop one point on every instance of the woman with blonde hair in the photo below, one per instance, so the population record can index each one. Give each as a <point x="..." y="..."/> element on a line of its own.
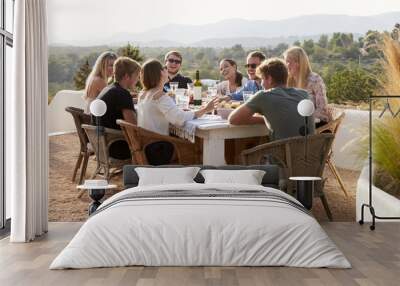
<point x="99" y="76"/>
<point x="302" y="76"/>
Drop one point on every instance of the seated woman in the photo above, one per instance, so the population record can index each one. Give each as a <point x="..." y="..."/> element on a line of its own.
<point x="234" y="80"/>
<point x="301" y="76"/>
<point x="98" y="78"/>
<point x="156" y="110"/>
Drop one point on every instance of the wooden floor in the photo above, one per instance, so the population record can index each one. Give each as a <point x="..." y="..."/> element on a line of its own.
<point x="375" y="257"/>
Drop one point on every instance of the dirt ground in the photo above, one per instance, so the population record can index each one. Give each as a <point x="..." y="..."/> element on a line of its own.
<point x="64" y="204"/>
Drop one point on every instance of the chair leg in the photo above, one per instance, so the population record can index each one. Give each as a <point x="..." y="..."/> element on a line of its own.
<point x="84" y="167"/>
<point x="337" y="176"/>
<point x="107" y="172"/>
<point x="96" y="172"/>
<point x="326" y="206"/>
<point x="77" y="165"/>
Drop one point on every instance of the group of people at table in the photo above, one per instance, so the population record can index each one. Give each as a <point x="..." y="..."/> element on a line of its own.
<point x="278" y="86"/>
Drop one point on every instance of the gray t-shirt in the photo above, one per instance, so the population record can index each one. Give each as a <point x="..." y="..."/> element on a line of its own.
<point x="279" y="107"/>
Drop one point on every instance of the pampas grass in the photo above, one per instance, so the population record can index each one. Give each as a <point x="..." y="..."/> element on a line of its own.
<point x="386" y="131"/>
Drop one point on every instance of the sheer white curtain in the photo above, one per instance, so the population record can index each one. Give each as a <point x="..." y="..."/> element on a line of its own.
<point x="26" y="127"/>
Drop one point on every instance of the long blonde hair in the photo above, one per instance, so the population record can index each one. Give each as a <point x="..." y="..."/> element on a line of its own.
<point x="100" y="67"/>
<point x="298" y="55"/>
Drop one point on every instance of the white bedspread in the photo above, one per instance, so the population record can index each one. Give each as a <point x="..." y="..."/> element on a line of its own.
<point x="200" y="231"/>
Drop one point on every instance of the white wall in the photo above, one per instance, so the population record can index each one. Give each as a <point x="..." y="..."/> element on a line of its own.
<point x="346" y="147"/>
<point x="60" y="121"/>
<point x="385" y="205"/>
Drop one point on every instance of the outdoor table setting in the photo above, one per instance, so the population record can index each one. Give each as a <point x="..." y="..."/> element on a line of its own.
<point x="214" y="129"/>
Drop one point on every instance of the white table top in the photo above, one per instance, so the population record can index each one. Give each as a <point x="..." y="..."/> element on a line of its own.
<point x="305" y="178"/>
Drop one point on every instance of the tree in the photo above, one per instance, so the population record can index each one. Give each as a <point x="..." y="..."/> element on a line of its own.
<point x="308" y="46"/>
<point x="81" y="75"/>
<point x="323" y="41"/>
<point x="130" y="51"/>
<point x="297" y="43"/>
<point x="280" y="49"/>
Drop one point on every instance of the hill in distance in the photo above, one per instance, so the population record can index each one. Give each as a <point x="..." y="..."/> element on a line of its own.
<point x="251" y="33"/>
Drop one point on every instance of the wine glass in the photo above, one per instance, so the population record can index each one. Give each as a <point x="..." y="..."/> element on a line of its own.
<point x="211" y="93"/>
<point x="182" y="98"/>
<point x="173" y="85"/>
<point x="247" y="95"/>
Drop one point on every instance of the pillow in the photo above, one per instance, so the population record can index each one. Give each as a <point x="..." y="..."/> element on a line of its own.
<point x="248" y="177"/>
<point x="166" y="176"/>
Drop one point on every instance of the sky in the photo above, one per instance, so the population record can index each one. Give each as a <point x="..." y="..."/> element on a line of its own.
<point x="76" y="20"/>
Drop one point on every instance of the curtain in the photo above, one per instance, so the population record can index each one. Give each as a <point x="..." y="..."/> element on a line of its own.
<point x="26" y="124"/>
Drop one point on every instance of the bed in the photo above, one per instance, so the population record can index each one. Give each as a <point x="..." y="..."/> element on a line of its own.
<point x="201" y="224"/>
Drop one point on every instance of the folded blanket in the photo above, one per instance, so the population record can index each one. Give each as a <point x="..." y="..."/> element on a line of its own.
<point x="188" y="131"/>
<point x="213" y="193"/>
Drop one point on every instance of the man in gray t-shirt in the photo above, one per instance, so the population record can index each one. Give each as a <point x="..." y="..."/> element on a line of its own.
<point x="277" y="104"/>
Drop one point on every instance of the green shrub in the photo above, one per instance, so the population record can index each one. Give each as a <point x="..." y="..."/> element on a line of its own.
<point x="351" y="84"/>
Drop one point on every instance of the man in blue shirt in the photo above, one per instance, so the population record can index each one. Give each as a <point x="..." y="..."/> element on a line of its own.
<point x="254" y="59"/>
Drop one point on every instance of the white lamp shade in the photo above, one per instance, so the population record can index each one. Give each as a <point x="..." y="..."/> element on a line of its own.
<point x="305" y="107"/>
<point x="98" y="107"/>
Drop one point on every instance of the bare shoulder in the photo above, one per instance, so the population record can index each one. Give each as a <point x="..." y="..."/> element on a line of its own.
<point x="98" y="82"/>
<point x="162" y="96"/>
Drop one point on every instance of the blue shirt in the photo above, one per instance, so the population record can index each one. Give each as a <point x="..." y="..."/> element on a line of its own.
<point x="251" y="85"/>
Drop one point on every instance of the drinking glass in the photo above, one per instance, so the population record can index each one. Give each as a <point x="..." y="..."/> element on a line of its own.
<point x="211" y="93"/>
<point x="174" y="86"/>
<point x="182" y="98"/>
<point x="190" y="86"/>
<point x="247" y="95"/>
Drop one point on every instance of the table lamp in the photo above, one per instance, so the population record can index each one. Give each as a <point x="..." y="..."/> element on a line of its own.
<point x="98" y="108"/>
<point x="305" y="108"/>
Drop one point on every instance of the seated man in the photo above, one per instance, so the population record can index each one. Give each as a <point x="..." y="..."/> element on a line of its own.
<point x="254" y="59"/>
<point x="119" y="102"/>
<point x="277" y="104"/>
<point x="173" y="62"/>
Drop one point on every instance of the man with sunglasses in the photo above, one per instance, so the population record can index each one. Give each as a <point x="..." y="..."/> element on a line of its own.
<point x="254" y="59"/>
<point x="173" y="62"/>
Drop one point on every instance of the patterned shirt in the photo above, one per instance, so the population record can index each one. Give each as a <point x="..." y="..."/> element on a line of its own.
<point x="317" y="90"/>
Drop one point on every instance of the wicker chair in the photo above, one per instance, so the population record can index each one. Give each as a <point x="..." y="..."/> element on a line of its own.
<point x="289" y="154"/>
<point x="101" y="145"/>
<point x="85" y="149"/>
<point x="185" y="153"/>
<point x="332" y="127"/>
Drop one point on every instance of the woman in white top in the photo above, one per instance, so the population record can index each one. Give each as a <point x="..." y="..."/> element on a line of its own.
<point x="98" y="78"/>
<point x="155" y="108"/>
<point x="234" y="79"/>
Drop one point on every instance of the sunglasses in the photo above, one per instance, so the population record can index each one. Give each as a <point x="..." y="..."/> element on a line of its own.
<point x="253" y="66"/>
<point x="171" y="61"/>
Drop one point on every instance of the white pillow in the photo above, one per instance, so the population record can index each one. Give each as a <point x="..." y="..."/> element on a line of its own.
<point x="166" y="176"/>
<point x="249" y="177"/>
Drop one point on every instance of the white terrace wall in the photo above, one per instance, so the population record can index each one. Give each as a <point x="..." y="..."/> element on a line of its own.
<point x="60" y="121"/>
<point x="345" y="148"/>
<point x="347" y="144"/>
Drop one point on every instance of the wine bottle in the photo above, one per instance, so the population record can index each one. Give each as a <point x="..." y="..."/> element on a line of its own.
<point x="197" y="90"/>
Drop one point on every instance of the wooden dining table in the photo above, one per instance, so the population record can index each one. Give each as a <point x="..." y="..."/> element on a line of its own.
<point x="214" y="135"/>
<point x="214" y="139"/>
